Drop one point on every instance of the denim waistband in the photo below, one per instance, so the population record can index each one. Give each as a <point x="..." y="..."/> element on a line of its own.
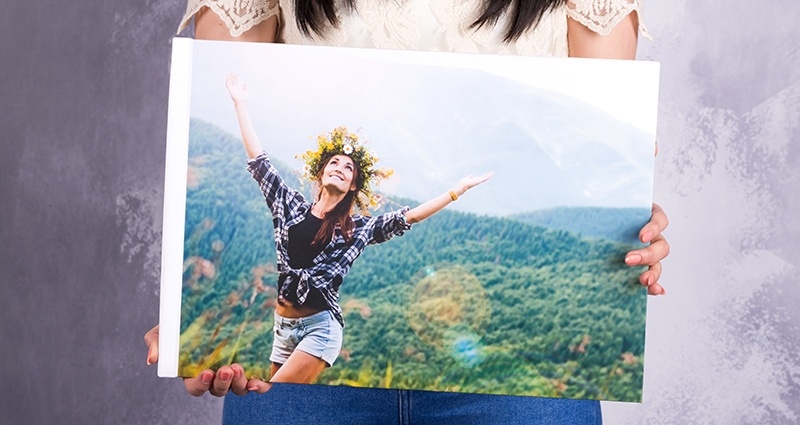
<point x="294" y="322"/>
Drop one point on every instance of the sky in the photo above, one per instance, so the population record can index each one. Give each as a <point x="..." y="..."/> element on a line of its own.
<point x="437" y="117"/>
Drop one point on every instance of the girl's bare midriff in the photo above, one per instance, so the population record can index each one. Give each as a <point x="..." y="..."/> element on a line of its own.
<point x="291" y="310"/>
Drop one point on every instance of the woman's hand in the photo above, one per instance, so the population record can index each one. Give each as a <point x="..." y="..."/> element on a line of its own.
<point x="431" y="207"/>
<point x="238" y="92"/>
<point x="469" y="182"/>
<point x="226" y="378"/>
<point x="652" y="255"/>
<point x="240" y="97"/>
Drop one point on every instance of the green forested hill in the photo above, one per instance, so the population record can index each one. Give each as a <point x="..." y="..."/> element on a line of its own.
<point x="619" y="224"/>
<point x="460" y="302"/>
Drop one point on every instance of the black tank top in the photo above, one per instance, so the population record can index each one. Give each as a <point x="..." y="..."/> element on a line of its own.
<point x="302" y="255"/>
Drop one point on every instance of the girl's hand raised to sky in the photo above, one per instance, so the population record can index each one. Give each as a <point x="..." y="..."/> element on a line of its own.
<point x="469" y="182"/>
<point x="238" y="92"/>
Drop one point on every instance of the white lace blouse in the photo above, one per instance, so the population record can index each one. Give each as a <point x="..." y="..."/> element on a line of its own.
<point x="433" y="25"/>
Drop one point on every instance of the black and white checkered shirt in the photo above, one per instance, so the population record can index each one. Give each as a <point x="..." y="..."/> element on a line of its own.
<point x="289" y="207"/>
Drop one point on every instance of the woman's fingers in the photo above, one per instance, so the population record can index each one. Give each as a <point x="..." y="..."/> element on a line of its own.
<point x="651" y="276"/>
<point x="237" y="91"/>
<point x="651" y="233"/>
<point x="231" y="79"/>
<point x="656" y="289"/>
<point x="484" y="177"/>
<point x="650" y="279"/>
<point x="658" y="222"/>
<point x="470" y="182"/>
<point x="222" y="381"/>
<point x="257" y="385"/>
<point x="651" y="255"/>
<point x="239" y="383"/>
<point x="151" y="339"/>
<point x="227" y="378"/>
<point x="654" y="253"/>
<point x="201" y="383"/>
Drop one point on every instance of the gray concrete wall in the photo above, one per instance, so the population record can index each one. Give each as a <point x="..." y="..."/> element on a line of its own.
<point x="83" y="119"/>
<point x="722" y="347"/>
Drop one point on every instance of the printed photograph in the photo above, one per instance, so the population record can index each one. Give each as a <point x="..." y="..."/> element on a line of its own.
<point x="415" y="220"/>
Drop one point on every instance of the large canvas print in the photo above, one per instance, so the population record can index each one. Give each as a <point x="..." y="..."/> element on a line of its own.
<point x="516" y="286"/>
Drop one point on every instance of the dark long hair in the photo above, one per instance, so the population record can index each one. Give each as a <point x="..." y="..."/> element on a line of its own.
<point x="340" y="214"/>
<point x="523" y="14"/>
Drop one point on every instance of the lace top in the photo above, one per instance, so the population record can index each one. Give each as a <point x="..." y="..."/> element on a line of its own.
<point x="439" y="25"/>
<point x="238" y="15"/>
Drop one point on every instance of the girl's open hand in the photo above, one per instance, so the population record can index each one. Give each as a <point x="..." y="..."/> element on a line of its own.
<point x="469" y="182"/>
<point x="237" y="91"/>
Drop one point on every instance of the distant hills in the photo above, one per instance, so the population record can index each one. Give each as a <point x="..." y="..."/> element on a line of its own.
<point x="615" y="224"/>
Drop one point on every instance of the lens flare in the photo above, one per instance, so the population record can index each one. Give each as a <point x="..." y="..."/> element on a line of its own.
<point x="465" y="348"/>
<point x="449" y="310"/>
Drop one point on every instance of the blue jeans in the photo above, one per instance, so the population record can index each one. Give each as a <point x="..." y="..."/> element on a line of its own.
<point x="322" y="404"/>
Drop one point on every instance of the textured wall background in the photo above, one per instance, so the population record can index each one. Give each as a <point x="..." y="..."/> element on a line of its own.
<point x="83" y="119"/>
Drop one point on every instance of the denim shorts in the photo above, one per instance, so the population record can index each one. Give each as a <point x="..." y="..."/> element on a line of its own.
<point x="319" y="335"/>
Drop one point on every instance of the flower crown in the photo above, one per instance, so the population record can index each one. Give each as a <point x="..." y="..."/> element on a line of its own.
<point x="341" y="142"/>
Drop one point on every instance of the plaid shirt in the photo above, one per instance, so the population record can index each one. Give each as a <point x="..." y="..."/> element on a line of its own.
<point x="289" y="207"/>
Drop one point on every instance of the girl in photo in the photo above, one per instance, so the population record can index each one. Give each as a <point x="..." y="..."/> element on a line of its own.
<point x="317" y="241"/>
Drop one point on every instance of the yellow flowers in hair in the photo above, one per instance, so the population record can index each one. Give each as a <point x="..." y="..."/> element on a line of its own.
<point x="340" y="141"/>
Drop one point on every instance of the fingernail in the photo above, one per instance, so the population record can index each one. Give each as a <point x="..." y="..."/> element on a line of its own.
<point x="646" y="236"/>
<point x="148" y="361"/>
<point x="205" y="378"/>
<point x="236" y="373"/>
<point x="253" y="388"/>
<point x="633" y="259"/>
<point x="225" y="375"/>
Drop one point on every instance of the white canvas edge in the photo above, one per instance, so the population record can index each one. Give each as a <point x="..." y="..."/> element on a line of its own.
<point x="174" y="206"/>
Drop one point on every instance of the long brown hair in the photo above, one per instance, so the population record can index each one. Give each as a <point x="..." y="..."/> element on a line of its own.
<point x="522" y="14"/>
<point x="341" y="213"/>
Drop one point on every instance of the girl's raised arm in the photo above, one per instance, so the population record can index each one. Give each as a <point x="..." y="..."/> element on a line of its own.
<point x="240" y="97"/>
<point x="429" y="208"/>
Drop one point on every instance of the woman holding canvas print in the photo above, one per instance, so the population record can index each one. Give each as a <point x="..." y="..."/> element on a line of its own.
<point x="318" y="241"/>
<point x="577" y="28"/>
